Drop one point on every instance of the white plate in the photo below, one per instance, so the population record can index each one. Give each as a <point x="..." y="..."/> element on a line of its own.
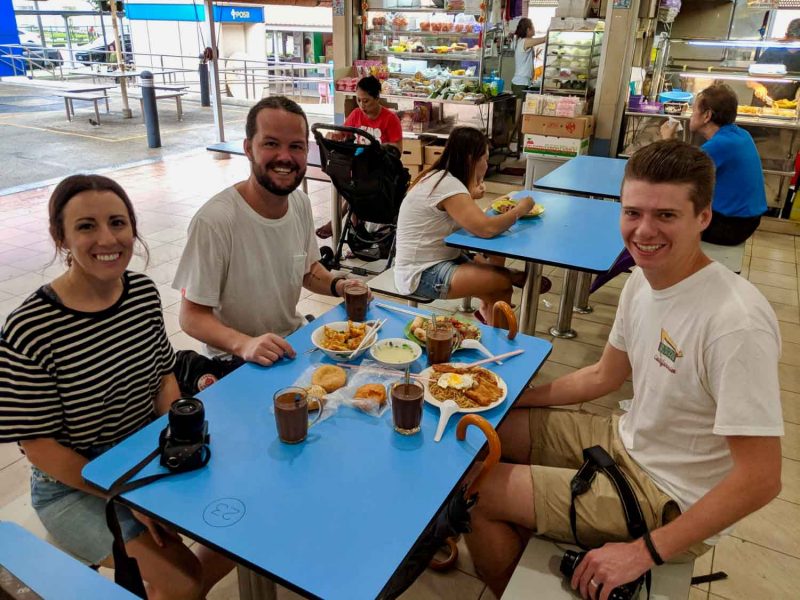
<point x="434" y="402"/>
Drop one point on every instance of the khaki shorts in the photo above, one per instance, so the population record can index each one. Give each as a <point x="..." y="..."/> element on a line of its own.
<point x="558" y="438"/>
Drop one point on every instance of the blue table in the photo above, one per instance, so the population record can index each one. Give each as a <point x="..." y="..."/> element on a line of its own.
<point x="49" y="572"/>
<point x="335" y="516"/>
<point x="595" y="176"/>
<point x="574" y="233"/>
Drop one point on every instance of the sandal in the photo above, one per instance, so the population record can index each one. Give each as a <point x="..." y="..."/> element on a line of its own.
<point x="325" y="231"/>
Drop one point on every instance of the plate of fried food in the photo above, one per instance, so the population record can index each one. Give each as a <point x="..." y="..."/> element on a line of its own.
<point x="338" y="339"/>
<point x="474" y="389"/>
<point x="415" y="330"/>
<point x="503" y="204"/>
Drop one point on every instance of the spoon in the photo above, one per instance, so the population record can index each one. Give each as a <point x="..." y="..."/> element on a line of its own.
<point x="447" y="409"/>
<point x="476" y="345"/>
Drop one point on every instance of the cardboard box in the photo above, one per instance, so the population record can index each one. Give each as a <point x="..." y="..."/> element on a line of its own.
<point x="546" y="145"/>
<point x="432" y="153"/>
<point x="565" y="127"/>
<point x="413" y="170"/>
<point x="412" y="152"/>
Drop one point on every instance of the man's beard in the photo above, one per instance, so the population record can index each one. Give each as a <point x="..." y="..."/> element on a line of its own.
<point x="268" y="184"/>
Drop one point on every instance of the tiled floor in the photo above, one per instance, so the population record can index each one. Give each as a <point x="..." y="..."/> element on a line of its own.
<point x="762" y="558"/>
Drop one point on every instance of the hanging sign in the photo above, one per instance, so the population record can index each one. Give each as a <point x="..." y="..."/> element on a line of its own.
<point x="622" y="3"/>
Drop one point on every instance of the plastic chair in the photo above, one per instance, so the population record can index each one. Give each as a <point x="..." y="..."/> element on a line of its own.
<point x="324" y="93"/>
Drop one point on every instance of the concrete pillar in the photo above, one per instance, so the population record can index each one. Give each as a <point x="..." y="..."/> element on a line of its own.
<point x="342" y="54"/>
<point x="614" y="75"/>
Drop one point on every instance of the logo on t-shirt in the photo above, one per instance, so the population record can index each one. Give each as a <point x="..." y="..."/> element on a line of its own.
<point x="668" y="352"/>
<point x="373" y="131"/>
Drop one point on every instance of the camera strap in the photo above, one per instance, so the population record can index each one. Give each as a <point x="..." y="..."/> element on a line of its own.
<point x="126" y="569"/>
<point x="597" y="459"/>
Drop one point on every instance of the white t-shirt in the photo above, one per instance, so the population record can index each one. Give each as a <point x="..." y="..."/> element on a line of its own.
<point x="704" y="354"/>
<point x="248" y="268"/>
<point x="422" y="227"/>
<point x="523" y="63"/>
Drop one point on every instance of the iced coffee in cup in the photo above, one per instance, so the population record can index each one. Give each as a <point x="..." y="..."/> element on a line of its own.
<point x="407" y="399"/>
<point x="356" y="300"/>
<point x="291" y="414"/>
<point x="441" y="339"/>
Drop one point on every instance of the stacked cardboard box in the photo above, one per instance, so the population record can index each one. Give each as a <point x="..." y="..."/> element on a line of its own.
<point x="413" y="155"/>
<point x="546" y="145"/>
<point x="566" y="127"/>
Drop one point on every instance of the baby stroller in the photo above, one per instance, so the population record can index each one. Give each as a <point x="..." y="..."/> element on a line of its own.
<point x="373" y="180"/>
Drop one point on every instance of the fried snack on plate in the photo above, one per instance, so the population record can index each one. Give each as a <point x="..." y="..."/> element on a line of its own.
<point x="469" y="388"/>
<point x="329" y="377"/>
<point x="343" y="340"/>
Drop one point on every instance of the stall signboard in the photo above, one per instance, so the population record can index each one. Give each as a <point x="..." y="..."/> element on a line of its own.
<point x="622" y="3"/>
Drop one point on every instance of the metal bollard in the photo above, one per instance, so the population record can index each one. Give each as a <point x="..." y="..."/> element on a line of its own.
<point x="205" y="97"/>
<point x="150" y="110"/>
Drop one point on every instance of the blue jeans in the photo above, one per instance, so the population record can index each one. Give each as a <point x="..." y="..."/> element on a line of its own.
<point x="435" y="280"/>
<point x="77" y="520"/>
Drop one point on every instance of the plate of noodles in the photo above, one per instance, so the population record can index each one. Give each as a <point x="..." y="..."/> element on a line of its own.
<point x="474" y="389"/>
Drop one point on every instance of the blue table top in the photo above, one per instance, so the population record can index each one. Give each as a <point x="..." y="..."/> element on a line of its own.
<point x="332" y="517"/>
<point x="51" y="573"/>
<point x="589" y="175"/>
<point x="575" y="233"/>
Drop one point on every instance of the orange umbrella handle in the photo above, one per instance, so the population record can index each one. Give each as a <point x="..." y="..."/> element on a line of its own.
<point x="494" y="445"/>
<point x="503" y="317"/>
<point x="449" y="562"/>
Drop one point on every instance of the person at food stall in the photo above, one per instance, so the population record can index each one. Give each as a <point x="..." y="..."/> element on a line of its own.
<point x="440" y="201"/>
<point x="739" y="195"/>
<point x="524" y="54"/>
<point x="85" y="362"/>
<point x="700" y="443"/>
<point x="765" y="93"/>
<point x="251" y="248"/>
<point x="370" y="115"/>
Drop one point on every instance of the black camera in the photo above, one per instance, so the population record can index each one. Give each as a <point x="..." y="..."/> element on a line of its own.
<point x="184" y="443"/>
<point x="627" y="591"/>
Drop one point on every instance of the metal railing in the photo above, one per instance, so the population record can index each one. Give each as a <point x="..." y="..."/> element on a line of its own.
<point x="287" y="77"/>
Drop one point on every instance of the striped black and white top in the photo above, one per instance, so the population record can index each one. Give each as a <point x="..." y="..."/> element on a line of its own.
<point x="85" y="379"/>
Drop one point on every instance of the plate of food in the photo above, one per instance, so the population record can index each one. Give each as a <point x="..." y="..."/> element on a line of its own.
<point x="505" y="203"/>
<point x="338" y="339"/>
<point x="474" y="389"/>
<point x="415" y="330"/>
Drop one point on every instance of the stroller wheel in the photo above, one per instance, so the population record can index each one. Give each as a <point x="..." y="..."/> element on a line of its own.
<point x="326" y="257"/>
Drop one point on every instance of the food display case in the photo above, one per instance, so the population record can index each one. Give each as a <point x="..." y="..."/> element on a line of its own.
<point x="572" y="60"/>
<point x="686" y="67"/>
<point x="439" y="63"/>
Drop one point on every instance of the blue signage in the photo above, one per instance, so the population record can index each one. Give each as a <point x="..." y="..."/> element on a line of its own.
<point x="193" y="12"/>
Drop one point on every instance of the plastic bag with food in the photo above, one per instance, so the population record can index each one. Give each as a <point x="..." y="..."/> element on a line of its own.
<point x="320" y="382"/>
<point x="367" y="389"/>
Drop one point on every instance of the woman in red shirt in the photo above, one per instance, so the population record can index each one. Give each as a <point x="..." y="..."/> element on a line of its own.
<point x="377" y="120"/>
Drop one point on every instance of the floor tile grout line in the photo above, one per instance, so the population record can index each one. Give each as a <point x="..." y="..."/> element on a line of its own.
<point x="741" y="539"/>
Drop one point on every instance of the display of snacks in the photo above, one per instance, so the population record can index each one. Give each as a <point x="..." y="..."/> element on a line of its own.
<point x="745" y="109"/>
<point x="779" y="113"/>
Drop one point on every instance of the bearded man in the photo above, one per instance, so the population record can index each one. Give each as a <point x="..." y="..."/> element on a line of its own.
<point x="251" y="248"/>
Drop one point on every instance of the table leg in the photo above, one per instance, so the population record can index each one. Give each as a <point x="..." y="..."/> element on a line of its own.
<point x="466" y="305"/>
<point x="304" y="186"/>
<point x="108" y="109"/>
<point x="67" y="103"/>
<point x="255" y="587"/>
<point x="529" y="307"/>
<point x="336" y="216"/>
<point x="582" y="294"/>
<point x="528" y="174"/>
<point x="563" y="328"/>
<point x="96" y="112"/>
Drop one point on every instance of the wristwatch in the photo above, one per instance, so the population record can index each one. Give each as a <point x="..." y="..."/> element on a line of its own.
<point x="334" y="281"/>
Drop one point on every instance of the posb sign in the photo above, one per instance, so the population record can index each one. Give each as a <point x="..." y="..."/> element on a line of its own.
<point x="239" y="14"/>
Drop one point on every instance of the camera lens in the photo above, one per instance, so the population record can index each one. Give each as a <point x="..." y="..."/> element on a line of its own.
<point x="186" y="418"/>
<point x="569" y="561"/>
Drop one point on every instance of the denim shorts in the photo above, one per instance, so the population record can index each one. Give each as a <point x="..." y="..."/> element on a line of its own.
<point x="77" y="520"/>
<point x="435" y="280"/>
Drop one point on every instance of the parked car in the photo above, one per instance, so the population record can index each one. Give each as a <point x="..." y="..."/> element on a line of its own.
<point x="100" y="52"/>
<point x="39" y="57"/>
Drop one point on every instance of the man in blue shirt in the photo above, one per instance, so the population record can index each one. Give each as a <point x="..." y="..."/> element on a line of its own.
<point x="739" y="196"/>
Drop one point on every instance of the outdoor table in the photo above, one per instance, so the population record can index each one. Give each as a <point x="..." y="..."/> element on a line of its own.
<point x="331" y="517"/>
<point x="47" y="571"/>
<point x="313" y="172"/>
<point x="592" y="176"/>
<point x="573" y="232"/>
<point x="166" y="74"/>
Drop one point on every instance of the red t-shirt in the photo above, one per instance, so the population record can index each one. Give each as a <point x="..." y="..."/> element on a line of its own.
<point x="386" y="128"/>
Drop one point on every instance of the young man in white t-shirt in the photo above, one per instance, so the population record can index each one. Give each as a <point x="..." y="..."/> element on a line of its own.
<point x="251" y="248"/>
<point x="700" y="444"/>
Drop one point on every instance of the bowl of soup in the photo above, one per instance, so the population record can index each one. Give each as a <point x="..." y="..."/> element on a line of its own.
<point x="395" y="353"/>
